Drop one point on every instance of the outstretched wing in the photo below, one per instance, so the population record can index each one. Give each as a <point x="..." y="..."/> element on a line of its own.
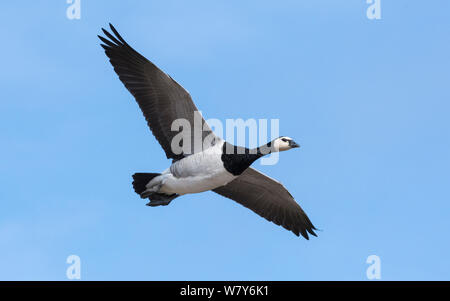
<point x="161" y="99"/>
<point x="269" y="199"/>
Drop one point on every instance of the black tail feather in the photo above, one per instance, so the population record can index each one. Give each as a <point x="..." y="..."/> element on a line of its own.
<point x="140" y="180"/>
<point x="161" y="199"/>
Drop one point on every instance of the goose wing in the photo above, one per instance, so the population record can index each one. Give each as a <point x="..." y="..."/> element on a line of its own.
<point x="269" y="199"/>
<point x="160" y="98"/>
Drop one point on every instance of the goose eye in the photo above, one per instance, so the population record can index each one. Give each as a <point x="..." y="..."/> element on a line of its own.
<point x="284" y="139"/>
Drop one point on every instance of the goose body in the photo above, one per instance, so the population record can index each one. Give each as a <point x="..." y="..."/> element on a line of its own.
<point x="196" y="173"/>
<point x="217" y="166"/>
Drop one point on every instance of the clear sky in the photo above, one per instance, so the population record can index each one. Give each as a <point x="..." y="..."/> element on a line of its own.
<point x="368" y="100"/>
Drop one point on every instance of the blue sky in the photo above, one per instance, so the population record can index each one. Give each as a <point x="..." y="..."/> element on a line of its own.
<point x="368" y="100"/>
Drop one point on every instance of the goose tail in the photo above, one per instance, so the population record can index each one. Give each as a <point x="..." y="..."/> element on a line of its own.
<point x="140" y="180"/>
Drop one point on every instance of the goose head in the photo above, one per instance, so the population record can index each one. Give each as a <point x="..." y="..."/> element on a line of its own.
<point x="283" y="143"/>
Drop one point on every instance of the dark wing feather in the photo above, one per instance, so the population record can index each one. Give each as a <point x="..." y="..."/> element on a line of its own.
<point x="269" y="199"/>
<point x="161" y="99"/>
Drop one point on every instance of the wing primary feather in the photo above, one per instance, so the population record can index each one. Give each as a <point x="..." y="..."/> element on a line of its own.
<point x="117" y="34"/>
<point x="269" y="199"/>
<point x="110" y="36"/>
<point x="106" y="41"/>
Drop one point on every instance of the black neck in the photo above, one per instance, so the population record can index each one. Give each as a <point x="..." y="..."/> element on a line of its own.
<point x="263" y="149"/>
<point x="237" y="159"/>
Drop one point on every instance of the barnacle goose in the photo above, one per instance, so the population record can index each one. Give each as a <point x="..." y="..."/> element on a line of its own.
<point x="213" y="167"/>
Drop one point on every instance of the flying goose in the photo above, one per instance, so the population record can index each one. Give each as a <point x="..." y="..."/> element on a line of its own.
<point x="213" y="167"/>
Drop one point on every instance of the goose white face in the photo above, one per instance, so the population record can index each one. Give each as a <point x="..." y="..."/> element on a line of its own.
<point x="284" y="143"/>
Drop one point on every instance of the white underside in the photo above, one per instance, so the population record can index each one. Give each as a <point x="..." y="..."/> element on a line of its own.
<point x="194" y="184"/>
<point x="196" y="173"/>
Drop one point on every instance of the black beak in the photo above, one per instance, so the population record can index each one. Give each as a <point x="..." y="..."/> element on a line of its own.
<point x="293" y="144"/>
